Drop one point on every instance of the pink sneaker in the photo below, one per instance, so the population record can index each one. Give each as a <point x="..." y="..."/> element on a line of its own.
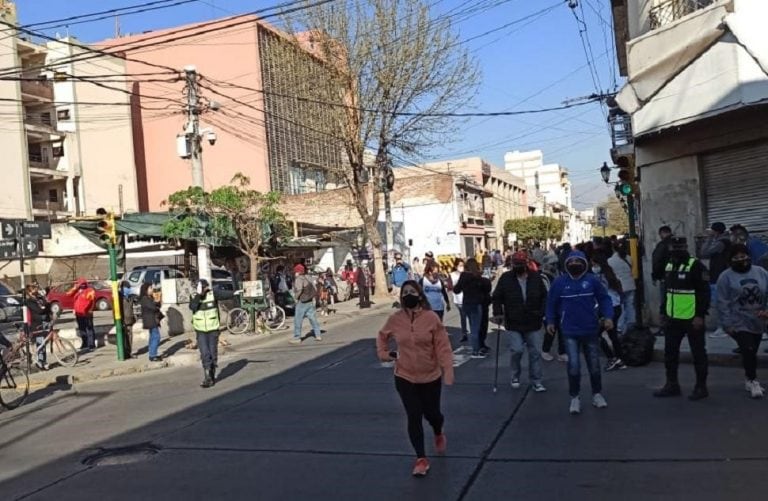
<point x="441" y="443"/>
<point x="421" y="467"/>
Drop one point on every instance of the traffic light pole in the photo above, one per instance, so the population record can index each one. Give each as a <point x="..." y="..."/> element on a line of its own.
<point x="116" y="306"/>
<point x="193" y="129"/>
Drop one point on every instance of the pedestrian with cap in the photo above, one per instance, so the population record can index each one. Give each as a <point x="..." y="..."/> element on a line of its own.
<point x="519" y="302"/>
<point x="305" y="293"/>
<point x="742" y="306"/>
<point x="207" y="325"/>
<point x="580" y="307"/>
<point x="684" y="307"/>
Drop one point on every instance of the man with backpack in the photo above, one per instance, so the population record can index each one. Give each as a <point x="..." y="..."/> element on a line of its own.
<point x="305" y="293"/>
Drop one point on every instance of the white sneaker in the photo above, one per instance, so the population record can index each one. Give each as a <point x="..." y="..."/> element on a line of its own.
<point x="598" y="400"/>
<point x="575" y="405"/>
<point x="539" y="388"/>
<point x="545" y="355"/>
<point x="756" y="391"/>
<point x="748" y="385"/>
<point x="562" y="358"/>
<point x="719" y="333"/>
<point x="515" y="384"/>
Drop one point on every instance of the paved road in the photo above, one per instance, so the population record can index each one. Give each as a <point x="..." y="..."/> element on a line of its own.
<point x="322" y="421"/>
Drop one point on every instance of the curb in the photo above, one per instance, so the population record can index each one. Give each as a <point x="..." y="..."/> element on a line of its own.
<point x="714" y="359"/>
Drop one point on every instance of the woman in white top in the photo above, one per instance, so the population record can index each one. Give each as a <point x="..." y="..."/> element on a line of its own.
<point x="458" y="268"/>
<point x="602" y="269"/>
<point x="623" y="270"/>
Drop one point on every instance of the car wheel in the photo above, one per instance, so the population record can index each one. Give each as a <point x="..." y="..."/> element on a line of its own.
<point x="55" y="309"/>
<point x="102" y="304"/>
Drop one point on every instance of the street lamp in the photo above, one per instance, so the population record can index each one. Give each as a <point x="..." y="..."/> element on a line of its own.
<point x="605" y="172"/>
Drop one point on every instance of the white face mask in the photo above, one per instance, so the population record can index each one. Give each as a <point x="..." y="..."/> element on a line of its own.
<point x="460" y="269"/>
<point x="596" y="269"/>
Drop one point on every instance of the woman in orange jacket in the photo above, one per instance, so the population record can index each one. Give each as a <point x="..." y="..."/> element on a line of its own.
<point x="423" y="361"/>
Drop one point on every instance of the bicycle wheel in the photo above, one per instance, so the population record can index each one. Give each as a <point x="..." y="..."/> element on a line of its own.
<point x="64" y="351"/>
<point x="238" y="321"/>
<point x="14" y="382"/>
<point x="275" y="317"/>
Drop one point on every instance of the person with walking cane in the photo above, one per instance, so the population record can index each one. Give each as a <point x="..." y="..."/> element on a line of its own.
<point x="519" y="301"/>
<point x="423" y="362"/>
<point x="205" y="321"/>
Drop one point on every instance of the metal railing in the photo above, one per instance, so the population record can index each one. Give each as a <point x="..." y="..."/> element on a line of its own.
<point x="45" y="118"/>
<point x="669" y="11"/>
<point x="38" y="88"/>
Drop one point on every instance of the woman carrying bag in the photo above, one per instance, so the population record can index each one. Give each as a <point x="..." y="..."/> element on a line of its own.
<point x="422" y="361"/>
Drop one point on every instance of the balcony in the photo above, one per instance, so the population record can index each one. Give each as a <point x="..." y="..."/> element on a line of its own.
<point x="41" y="168"/>
<point x="37" y="89"/>
<point x="669" y="11"/>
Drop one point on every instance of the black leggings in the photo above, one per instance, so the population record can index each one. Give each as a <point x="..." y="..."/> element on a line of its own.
<point x="613" y="335"/>
<point x="748" y="344"/>
<point x="421" y="400"/>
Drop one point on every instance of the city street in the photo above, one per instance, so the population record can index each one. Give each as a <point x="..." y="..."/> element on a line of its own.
<point x="323" y="421"/>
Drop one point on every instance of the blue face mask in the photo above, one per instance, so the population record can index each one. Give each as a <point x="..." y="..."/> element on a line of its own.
<point x="126" y="291"/>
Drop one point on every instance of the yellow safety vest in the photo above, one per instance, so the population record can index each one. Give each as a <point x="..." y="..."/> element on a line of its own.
<point x="206" y="318"/>
<point x="681" y="299"/>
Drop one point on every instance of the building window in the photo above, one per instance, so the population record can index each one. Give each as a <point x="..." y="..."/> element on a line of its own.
<point x="63" y="114"/>
<point x="298" y="179"/>
<point x="53" y="195"/>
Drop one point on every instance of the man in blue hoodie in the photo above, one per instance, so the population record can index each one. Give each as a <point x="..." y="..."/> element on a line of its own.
<point x="577" y="305"/>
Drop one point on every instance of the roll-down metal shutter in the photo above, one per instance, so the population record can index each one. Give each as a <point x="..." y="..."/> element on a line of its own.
<point x="736" y="186"/>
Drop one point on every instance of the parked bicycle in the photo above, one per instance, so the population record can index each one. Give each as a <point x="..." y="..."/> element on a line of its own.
<point x="62" y="349"/>
<point x="255" y="315"/>
<point x="15" y="365"/>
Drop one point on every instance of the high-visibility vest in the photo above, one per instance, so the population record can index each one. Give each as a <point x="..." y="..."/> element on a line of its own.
<point x="681" y="291"/>
<point x="206" y="318"/>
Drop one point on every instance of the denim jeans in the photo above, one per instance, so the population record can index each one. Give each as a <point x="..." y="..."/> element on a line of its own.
<point x="40" y="353"/>
<point x="154" y="341"/>
<point x="629" y="315"/>
<point x="305" y="310"/>
<point x="531" y="340"/>
<point x="86" y="332"/>
<point x="463" y="316"/>
<point x="475" y="316"/>
<point x="208" y="344"/>
<point x="590" y="346"/>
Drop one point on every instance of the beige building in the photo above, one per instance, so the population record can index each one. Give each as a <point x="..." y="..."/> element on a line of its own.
<point x="66" y="139"/>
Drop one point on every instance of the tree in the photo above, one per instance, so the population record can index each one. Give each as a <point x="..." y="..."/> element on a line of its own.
<point x="539" y="228"/>
<point x="235" y="213"/>
<point x="618" y="222"/>
<point x="394" y="74"/>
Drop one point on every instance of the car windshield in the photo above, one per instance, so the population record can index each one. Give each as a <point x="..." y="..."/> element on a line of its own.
<point x="134" y="277"/>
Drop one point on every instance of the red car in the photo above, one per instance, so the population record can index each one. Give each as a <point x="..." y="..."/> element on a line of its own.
<point x="60" y="301"/>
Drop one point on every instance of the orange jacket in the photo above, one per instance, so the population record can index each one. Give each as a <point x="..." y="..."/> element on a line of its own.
<point x="424" y="350"/>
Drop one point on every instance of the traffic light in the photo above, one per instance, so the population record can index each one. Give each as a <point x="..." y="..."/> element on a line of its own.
<point x="106" y="230"/>
<point x="625" y="183"/>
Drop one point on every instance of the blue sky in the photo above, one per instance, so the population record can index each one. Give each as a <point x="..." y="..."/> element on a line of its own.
<point x="536" y="63"/>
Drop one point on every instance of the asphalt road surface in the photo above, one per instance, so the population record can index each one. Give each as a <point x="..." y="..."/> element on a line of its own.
<point x="322" y="421"/>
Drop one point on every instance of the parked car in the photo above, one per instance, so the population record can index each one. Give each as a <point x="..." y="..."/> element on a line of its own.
<point x="151" y="274"/>
<point x="61" y="301"/>
<point x="10" y="309"/>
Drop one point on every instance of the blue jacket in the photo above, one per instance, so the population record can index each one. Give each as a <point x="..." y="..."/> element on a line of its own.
<point x="400" y="274"/>
<point x="576" y="305"/>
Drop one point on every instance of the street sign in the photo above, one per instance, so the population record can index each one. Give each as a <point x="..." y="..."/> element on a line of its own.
<point x="8" y="227"/>
<point x="31" y="248"/>
<point x="36" y="229"/>
<point x="8" y="249"/>
<point x="602" y="217"/>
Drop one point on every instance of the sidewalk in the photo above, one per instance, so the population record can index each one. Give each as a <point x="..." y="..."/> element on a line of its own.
<point x="103" y="362"/>
<point x="719" y="352"/>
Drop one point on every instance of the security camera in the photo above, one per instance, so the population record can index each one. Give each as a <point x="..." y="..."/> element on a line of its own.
<point x="211" y="137"/>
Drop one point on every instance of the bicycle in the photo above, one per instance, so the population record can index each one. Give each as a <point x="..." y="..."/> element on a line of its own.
<point x="14" y="371"/>
<point x="63" y="349"/>
<point x="253" y="314"/>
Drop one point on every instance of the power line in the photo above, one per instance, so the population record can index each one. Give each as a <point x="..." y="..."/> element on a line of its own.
<point x="110" y="12"/>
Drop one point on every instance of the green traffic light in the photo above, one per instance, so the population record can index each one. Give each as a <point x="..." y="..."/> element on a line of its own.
<point x="625" y="188"/>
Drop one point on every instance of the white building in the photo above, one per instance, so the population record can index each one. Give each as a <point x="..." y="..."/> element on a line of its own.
<point x="549" y="180"/>
<point x="697" y="97"/>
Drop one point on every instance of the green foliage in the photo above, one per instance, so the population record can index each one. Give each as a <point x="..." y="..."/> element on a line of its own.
<point x="618" y="221"/>
<point x="538" y="228"/>
<point x="233" y="214"/>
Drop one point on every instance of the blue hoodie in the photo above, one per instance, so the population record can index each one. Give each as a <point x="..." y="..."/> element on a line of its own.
<point x="574" y="303"/>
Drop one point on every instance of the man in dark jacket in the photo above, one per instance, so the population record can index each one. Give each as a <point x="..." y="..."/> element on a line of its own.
<point x="520" y="300"/>
<point x="39" y="313"/>
<point x="150" y="319"/>
<point x="128" y="317"/>
<point x="684" y="307"/>
<point x="660" y="254"/>
<point x="717" y="249"/>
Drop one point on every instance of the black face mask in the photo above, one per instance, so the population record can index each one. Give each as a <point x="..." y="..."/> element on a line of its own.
<point x="741" y="266"/>
<point x="519" y="269"/>
<point x="679" y="255"/>
<point x="576" y="269"/>
<point x="410" y="301"/>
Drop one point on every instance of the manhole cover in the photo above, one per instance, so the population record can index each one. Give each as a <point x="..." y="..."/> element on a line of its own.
<point x="121" y="455"/>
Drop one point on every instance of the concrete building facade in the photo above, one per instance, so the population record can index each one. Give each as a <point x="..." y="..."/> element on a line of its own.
<point x="695" y="99"/>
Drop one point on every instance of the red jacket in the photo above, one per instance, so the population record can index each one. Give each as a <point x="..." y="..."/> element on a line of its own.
<point x="84" y="302"/>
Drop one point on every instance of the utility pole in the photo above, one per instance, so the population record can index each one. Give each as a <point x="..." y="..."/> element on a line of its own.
<point x="196" y="154"/>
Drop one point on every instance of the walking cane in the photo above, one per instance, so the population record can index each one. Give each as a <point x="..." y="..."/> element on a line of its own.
<point x="496" y="369"/>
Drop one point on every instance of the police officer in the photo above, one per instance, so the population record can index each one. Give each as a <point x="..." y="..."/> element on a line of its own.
<point x="684" y="307"/>
<point x="205" y="321"/>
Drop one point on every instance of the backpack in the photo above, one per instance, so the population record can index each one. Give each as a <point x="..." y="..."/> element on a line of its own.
<point x="637" y="345"/>
<point x="308" y="292"/>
